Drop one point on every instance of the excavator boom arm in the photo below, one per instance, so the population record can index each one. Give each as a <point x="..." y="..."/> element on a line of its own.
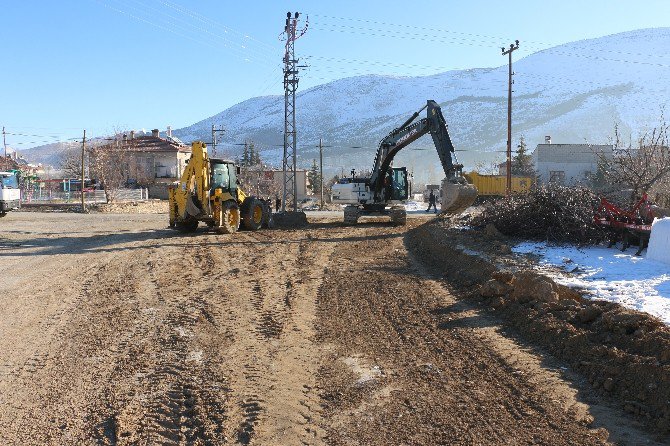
<point x="407" y="133"/>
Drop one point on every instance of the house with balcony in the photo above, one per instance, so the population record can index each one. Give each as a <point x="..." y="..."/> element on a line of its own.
<point x="153" y="161"/>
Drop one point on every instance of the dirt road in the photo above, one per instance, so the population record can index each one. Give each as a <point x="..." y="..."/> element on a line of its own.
<point x="115" y="331"/>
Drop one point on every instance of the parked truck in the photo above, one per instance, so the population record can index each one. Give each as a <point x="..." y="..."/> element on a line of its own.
<point x="10" y="194"/>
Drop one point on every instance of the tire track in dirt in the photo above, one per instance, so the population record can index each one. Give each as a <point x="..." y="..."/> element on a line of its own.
<point x="272" y="357"/>
<point x="400" y="353"/>
<point x="74" y="357"/>
<point x="178" y="397"/>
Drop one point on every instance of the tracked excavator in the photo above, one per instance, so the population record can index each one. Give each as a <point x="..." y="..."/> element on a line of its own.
<point x="208" y="192"/>
<point x="385" y="191"/>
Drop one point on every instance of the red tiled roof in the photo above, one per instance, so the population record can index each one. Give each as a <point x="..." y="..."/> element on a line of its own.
<point x="152" y="144"/>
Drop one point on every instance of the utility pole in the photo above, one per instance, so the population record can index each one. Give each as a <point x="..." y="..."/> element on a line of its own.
<point x="214" y="132"/>
<point x="290" y="185"/>
<point x="83" y="173"/>
<point x="321" y="171"/>
<point x="513" y="47"/>
<point x="4" y="143"/>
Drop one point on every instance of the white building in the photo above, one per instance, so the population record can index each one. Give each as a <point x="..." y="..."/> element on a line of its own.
<point x="568" y="164"/>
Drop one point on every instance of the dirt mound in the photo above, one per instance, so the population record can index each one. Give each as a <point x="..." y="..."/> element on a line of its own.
<point x="623" y="353"/>
<point x="132" y="207"/>
<point x="50" y="207"/>
<point x="290" y="220"/>
<point x="125" y="207"/>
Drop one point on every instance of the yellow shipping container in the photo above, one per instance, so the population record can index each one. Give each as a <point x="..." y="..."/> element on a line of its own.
<point x="491" y="185"/>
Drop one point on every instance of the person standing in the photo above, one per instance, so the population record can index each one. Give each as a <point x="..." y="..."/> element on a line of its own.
<point x="431" y="201"/>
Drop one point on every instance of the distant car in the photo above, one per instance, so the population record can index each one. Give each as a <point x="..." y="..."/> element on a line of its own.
<point x="309" y="204"/>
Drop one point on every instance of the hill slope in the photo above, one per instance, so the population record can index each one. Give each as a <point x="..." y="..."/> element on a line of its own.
<point x="573" y="92"/>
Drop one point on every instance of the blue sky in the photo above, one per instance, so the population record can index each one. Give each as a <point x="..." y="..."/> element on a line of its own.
<point x="105" y="64"/>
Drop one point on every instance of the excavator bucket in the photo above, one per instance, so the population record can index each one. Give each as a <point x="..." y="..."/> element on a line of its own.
<point x="457" y="196"/>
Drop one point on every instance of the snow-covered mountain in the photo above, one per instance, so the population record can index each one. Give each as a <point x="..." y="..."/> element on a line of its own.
<point x="49" y="154"/>
<point x="574" y="92"/>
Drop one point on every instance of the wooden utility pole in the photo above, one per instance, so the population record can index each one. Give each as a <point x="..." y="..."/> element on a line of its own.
<point x="83" y="172"/>
<point x="4" y="143"/>
<point x="514" y="46"/>
<point x="321" y="171"/>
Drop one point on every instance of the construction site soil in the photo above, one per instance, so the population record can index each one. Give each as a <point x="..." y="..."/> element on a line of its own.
<point x="118" y="331"/>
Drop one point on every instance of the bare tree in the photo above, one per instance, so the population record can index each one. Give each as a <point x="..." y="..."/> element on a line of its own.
<point x="70" y="162"/>
<point x="109" y="164"/>
<point x="256" y="177"/>
<point x="639" y="167"/>
<point x="487" y="167"/>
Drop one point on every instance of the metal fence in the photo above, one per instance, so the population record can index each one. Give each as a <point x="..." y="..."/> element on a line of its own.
<point x="93" y="196"/>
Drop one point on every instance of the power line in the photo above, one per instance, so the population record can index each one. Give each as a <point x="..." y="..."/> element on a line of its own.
<point x="406" y="36"/>
<point x="385" y="33"/>
<point x="379" y="63"/>
<point x="405" y="25"/>
<point x="187" y="34"/>
<point x="37" y="136"/>
<point x="534" y="44"/>
<point x="205" y="19"/>
<point x="263" y="52"/>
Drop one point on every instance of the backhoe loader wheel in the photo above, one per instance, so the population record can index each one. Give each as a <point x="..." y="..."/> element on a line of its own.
<point x="268" y="221"/>
<point x="253" y="214"/>
<point x="229" y="218"/>
<point x="189" y="225"/>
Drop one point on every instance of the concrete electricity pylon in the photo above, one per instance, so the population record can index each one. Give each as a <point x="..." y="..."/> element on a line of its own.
<point x="290" y="34"/>
<point x="513" y="47"/>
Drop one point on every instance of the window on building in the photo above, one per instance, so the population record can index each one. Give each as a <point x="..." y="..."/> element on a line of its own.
<point x="557" y="176"/>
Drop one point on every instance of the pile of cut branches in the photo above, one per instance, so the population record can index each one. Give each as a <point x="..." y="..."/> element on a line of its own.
<point x="552" y="213"/>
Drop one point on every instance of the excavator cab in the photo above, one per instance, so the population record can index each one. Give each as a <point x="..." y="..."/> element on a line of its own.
<point x="400" y="190"/>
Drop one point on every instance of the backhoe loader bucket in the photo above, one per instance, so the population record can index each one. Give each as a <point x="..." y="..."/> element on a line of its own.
<point x="457" y="196"/>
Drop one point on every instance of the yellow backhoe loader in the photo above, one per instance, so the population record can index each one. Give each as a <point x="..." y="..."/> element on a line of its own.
<point x="208" y="191"/>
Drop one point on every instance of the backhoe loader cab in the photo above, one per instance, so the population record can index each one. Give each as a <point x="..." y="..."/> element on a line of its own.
<point x="208" y="191"/>
<point x="224" y="176"/>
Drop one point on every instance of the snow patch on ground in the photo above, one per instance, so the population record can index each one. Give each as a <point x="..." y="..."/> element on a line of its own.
<point x="608" y="274"/>
<point x="362" y="369"/>
<point x="416" y="207"/>
<point x="659" y="242"/>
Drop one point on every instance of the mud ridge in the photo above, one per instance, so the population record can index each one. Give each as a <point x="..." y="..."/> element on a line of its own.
<point x="624" y="354"/>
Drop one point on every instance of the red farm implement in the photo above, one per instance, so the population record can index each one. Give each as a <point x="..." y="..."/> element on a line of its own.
<point x="628" y="226"/>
